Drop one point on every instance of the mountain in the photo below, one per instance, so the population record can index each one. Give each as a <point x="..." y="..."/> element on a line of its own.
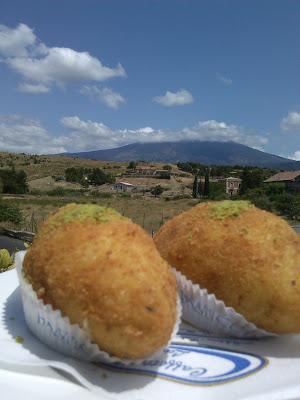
<point x="219" y="153"/>
<point x="290" y="166"/>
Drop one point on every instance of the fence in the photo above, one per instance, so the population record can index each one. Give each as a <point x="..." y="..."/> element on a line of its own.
<point x="17" y="234"/>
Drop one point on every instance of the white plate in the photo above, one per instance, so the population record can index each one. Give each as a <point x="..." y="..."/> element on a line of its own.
<point x="196" y="366"/>
<point x="24" y="381"/>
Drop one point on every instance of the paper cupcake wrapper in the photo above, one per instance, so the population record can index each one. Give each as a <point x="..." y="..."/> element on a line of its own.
<point x="206" y="312"/>
<point x="58" y="333"/>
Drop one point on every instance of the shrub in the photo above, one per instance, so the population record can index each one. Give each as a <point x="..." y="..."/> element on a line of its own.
<point x="101" y="195"/>
<point x="180" y="197"/>
<point x="59" y="191"/>
<point x="263" y="202"/>
<point x="132" y="165"/>
<point x="36" y="192"/>
<point x="217" y="191"/>
<point x="124" y="194"/>
<point x="288" y="204"/>
<point x="275" y="198"/>
<point x="274" y="189"/>
<point x="10" y="213"/>
<point x="157" y="190"/>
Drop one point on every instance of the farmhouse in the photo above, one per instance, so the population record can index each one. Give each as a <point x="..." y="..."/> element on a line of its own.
<point x="291" y="179"/>
<point x="123" y="186"/>
<point x="145" y="170"/>
<point x="162" y="173"/>
<point x="232" y="185"/>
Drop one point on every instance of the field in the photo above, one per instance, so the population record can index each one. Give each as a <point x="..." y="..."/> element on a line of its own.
<point x="142" y="207"/>
<point x="48" y="190"/>
<point x="149" y="212"/>
<point x="42" y="166"/>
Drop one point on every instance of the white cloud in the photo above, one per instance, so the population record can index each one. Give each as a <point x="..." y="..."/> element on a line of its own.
<point x="295" y="156"/>
<point x="179" y="98"/>
<point x="224" y="80"/>
<point x="90" y="135"/>
<point x="33" y="88"/>
<point x="146" y="130"/>
<point x="212" y="130"/>
<point x="40" y="64"/>
<point x="291" y="122"/>
<point x="19" y="134"/>
<point x="104" y="95"/>
<point x="15" y="42"/>
<point x="62" y="66"/>
<point x="23" y="135"/>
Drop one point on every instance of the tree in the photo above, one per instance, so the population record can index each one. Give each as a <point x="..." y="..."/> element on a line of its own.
<point x="191" y="167"/>
<point x="75" y="174"/>
<point x="167" y="167"/>
<point x="200" y="187"/>
<point x="84" y="176"/>
<point x="98" y="177"/>
<point x="195" y="187"/>
<point x="14" y="181"/>
<point x="206" y="183"/>
<point x="157" y="190"/>
<point x="132" y="165"/>
<point x="251" y="178"/>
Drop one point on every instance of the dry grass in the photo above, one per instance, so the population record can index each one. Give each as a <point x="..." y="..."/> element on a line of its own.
<point x="149" y="212"/>
<point x="48" y="183"/>
<point x="146" y="181"/>
<point x="41" y="166"/>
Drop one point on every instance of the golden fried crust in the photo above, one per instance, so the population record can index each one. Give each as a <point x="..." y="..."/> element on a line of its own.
<point x="110" y="279"/>
<point x="250" y="260"/>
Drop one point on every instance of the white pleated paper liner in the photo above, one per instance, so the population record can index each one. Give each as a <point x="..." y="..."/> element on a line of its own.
<point x="58" y="333"/>
<point x="206" y="312"/>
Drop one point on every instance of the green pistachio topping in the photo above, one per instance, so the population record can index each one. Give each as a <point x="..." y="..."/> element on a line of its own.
<point x="19" y="339"/>
<point x="189" y="236"/>
<point x="229" y="208"/>
<point x="81" y="213"/>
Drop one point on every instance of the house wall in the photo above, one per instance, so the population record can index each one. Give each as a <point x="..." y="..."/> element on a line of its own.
<point x="144" y="171"/>
<point x="293" y="186"/>
<point x="123" y="188"/>
<point x="232" y="187"/>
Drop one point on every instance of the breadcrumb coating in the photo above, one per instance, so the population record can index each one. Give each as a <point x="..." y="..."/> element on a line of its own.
<point x="247" y="257"/>
<point x="105" y="273"/>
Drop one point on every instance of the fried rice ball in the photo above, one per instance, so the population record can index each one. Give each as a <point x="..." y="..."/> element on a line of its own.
<point x="105" y="273"/>
<point x="247" y="257"/>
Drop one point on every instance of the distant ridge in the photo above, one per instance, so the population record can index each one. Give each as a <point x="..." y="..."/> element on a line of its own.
<point x="219" y="153"/>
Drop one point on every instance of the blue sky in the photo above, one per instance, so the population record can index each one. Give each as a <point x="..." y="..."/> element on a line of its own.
<point x="81" y="75"/>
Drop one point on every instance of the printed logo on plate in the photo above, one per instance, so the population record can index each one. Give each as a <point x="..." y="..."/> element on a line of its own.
<point x="196" y="365"/>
